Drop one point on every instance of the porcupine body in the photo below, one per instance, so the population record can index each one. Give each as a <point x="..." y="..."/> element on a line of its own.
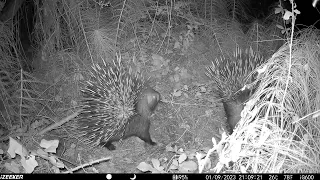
<point x="117" y="104"/>
<point x="230" y="75"/>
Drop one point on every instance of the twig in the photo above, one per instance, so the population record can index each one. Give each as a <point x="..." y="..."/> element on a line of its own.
<point x="55" y="125"/>
<point x="88" y="164"/>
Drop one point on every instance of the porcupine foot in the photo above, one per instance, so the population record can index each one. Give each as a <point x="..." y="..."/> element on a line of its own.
<point x="147" y="138"/>
<point x="109" y="146"/>
<point x="112" y="147"/>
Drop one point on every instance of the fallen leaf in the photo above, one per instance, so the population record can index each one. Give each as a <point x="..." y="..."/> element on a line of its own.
<point x="29" y="164"/>
<point x="182" y="158"/>
<point x="50" y="146"/>
<point x="16" y="148"/>
<point x="145" y="167"/>
<point x="189" y="166"/>
<point x="155" y="163"/>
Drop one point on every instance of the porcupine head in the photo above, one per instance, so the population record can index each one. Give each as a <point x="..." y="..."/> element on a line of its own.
<point x="118" y="104"/>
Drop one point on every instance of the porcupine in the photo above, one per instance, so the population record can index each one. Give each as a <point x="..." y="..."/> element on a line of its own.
<point x="117" y="104"/>
<point x="230" y="75"/>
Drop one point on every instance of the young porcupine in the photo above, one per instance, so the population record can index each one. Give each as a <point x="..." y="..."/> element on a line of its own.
<point x="117" y="104"/>
<point x="230" y="75"/>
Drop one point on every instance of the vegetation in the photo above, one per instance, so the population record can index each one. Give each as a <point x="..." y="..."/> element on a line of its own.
<point x="171" y="43"/>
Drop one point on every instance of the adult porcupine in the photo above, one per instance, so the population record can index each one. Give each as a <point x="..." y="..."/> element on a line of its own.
<point x="230" y="75"/>
<point x="117" y="103"/>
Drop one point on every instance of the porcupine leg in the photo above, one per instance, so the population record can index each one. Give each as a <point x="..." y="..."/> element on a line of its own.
<point x="139" y="126"/>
